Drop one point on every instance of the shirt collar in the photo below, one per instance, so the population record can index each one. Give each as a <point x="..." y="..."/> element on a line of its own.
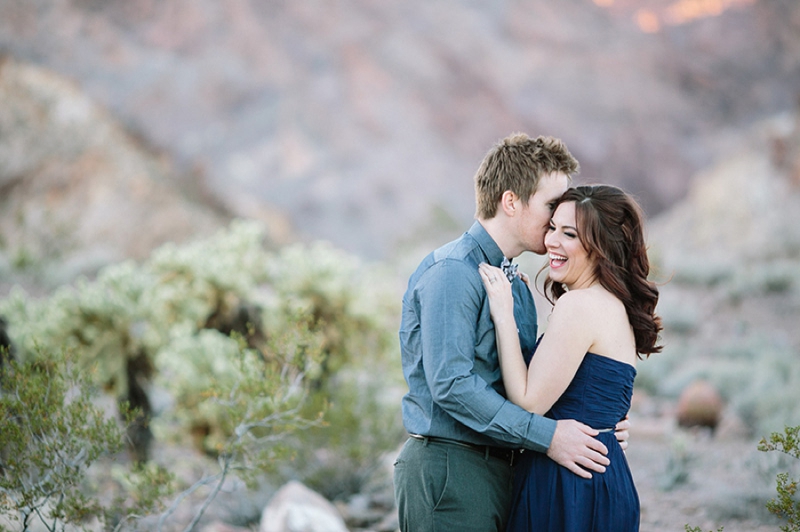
<point x="487" y="244"/>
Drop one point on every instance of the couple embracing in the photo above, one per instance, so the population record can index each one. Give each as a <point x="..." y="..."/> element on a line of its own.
<point x="509" y="431"/>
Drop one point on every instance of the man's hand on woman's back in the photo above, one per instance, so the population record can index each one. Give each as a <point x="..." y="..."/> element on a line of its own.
<point x="574" y="447"/>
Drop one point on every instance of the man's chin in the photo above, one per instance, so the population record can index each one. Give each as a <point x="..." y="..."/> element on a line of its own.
<point x="539" y="250"/>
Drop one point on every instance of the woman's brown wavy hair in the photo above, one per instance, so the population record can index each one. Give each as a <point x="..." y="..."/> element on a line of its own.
<point x="610" y="227"/>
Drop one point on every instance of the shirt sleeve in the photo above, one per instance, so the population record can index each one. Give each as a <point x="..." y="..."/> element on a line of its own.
<point x="450" y="301"/>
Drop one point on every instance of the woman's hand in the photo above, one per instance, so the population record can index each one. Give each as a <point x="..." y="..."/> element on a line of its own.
<point x="498" y="290"/>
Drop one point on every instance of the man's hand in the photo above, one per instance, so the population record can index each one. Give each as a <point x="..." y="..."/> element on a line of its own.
<point x="574" y="447"/>
<point x="621" y="432"/>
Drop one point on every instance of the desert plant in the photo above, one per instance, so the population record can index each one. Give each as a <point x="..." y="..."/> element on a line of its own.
<point x="678" y="464"/>
<point x="257" y="403"/>
<point x="120" y="321"/>
<point x="776" y="276"/>
<point x="756" y="375"/>
<point x="785" y="505"/>
<point x="167" y="322"/>
<point x="51" y="433"/>
<point x="352" y="309"/>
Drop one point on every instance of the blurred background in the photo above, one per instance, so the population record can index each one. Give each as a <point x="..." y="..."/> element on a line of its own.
<point x="128" y="124"/>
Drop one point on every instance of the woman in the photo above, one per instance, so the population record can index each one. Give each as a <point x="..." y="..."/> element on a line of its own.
<point x="603" y="321"/>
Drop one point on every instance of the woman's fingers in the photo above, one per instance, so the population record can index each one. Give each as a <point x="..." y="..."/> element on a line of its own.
<point x="492" y="274"/>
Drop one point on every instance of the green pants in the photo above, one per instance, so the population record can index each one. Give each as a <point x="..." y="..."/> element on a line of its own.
<point x="441" y="487"/>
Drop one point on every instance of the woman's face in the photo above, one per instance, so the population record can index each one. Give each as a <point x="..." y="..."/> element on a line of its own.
<point x="570" y="263"/>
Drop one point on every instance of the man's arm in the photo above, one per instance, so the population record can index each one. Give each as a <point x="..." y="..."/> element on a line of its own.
<point x="449" y="312"/>
<point x="450" y="301"/>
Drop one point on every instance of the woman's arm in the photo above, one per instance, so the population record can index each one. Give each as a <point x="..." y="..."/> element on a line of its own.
<point x="558" y="356"/>
<point x="501" y="306"/>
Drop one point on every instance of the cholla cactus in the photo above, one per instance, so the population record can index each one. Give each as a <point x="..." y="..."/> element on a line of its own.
<point x="312" y="326"/>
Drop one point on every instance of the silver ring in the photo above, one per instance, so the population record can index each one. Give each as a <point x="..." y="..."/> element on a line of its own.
<point x="492" y="280"/>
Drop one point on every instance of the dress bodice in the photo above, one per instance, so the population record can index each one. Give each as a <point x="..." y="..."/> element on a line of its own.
<point x="599" y="394"/>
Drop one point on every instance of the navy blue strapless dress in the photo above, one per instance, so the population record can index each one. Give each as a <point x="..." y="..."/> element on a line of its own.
<point x="550" y="498"/>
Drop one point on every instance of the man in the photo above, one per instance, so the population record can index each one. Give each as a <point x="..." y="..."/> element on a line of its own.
<point x="454" y="472"/>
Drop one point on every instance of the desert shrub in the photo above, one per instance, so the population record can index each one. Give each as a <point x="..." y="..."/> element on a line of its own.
<point x="699" y="271"/>
<point x="678" y="308"/>
<point x="679" y="463"/>
<point x="252" y="408"/>
<point x="353" y="311"/>
<point x="105" y="322"/>
<point x="786" y="505"/>
<point x="313" y="317"/>
<point x="51" y="434"/>
<point x="773" y="277"/>
<point x="757" y="376"/>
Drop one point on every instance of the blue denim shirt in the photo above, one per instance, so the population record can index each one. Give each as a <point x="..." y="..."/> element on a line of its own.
<point x="449" y="354"/>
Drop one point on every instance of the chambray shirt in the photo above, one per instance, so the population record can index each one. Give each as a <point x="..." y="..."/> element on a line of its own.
<point x="449" y="354"/>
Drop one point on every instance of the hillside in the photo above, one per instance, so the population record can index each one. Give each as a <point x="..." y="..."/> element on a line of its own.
<point x="729" y="254"/>
<point x="363" y="122"/>
<point x="76" y="190"/>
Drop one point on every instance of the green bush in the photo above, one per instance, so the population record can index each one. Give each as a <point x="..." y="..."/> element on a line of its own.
<point x="786" y="505"/>
<point x="313" y="317"/>
<point x="354" y="311"/>
<point x="51" y="434"/>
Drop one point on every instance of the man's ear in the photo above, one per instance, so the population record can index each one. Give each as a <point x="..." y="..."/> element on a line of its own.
<point x="509" y="203"/>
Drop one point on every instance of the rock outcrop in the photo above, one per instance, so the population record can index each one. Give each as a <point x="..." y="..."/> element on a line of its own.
<point x="362" y="122"/>
<point x="76" y="190"/>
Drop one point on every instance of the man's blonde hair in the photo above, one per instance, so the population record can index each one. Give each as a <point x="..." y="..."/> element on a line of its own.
<point x="517" y="163"/>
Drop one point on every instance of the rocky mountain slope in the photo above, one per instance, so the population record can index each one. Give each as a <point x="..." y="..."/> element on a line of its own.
<point x="363" y="122"/>
<point x="76" y="190"/>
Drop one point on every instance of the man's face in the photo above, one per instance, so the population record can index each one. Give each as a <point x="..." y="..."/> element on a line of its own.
<point x="535" y="218"/>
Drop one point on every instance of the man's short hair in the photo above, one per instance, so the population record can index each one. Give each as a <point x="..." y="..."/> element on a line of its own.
<point x="516" y="163"/>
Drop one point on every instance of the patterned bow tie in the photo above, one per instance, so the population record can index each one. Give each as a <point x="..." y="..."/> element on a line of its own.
<point x="509" y="269"/>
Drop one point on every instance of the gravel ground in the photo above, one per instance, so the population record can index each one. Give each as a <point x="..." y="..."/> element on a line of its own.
<point x="702" y="479"/>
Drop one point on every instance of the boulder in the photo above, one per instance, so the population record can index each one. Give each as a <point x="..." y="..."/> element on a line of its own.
<point x="699" y="405"/>
<point x="220" y="526"/>
<point x="296" y="508"/>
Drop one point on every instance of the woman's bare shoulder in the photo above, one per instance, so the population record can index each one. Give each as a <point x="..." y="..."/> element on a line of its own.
<point x="584" y="296"/>
<point x="595" y="301"/>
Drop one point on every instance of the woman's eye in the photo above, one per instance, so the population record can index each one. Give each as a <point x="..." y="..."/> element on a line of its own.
<point x="570" y="235"/>
<point x="551" y="228"/>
